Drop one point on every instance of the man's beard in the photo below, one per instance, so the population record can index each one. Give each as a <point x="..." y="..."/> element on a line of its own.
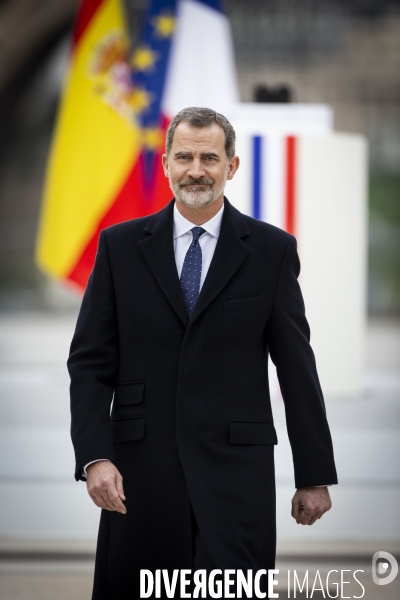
<point x="197" y="196"/>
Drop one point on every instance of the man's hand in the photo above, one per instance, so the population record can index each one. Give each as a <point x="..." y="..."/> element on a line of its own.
<point x="309" y="504"/>
<point x="104" y="484"/>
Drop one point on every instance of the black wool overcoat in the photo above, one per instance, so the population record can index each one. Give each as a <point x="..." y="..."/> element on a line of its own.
<point x="191" y="426"/>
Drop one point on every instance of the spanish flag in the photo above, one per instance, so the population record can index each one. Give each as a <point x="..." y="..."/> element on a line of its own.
<point x="118" y="99"/>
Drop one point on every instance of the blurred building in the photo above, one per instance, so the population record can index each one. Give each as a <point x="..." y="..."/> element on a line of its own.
<point x="342" y="53"/>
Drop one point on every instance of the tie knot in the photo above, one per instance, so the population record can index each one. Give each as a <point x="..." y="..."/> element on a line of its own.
<point x="197" y="232"/>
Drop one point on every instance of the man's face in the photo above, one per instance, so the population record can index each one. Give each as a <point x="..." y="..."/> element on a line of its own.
<point x="197" y="165"/>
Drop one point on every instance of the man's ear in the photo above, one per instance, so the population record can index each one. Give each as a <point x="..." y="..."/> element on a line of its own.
<point x="164" y="160"/>
<point x="233" y="166"/>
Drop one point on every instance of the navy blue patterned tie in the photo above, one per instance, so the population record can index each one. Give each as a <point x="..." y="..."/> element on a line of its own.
<point x="191" y="271"/>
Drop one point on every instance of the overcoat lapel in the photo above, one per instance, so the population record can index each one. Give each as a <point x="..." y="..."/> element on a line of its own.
<point x="158" y="250"/>
<point x="230" y="252"/>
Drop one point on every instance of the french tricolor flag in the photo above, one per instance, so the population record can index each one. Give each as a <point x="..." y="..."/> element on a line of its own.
<point x="201" y="70"/>
<point x="270" y="144"/>
<point x="273" y="194"/>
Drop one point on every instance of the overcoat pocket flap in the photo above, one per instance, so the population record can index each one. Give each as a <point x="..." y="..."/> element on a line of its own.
<point x="128" y="429"/>
<point x="252" y="432"/>
<point x="129" y="393"/>
<point x="242" y="303"/>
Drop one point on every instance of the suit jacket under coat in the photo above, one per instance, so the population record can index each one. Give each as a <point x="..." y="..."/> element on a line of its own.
<point x="191" y="420"/>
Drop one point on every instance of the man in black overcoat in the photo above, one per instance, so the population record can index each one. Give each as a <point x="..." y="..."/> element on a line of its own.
<point x="171" y="412"/>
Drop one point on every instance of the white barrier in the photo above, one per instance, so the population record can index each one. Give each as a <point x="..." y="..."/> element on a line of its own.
<point x="298" y="175"/>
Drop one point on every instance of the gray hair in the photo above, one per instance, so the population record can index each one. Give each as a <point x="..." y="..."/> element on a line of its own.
<point x="202" y="117"/>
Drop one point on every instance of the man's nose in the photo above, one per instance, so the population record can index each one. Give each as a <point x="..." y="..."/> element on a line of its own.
<point x="196" y="169"/>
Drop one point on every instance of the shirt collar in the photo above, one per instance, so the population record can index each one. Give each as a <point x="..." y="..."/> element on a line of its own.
<point x="182" y="225"/>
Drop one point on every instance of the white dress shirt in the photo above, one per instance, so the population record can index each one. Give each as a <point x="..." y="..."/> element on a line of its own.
<point x="208" y="240"/>
<point x="182" y="239"/>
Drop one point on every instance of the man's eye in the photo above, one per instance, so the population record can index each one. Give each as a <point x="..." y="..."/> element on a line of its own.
<point x="210" y="158"/>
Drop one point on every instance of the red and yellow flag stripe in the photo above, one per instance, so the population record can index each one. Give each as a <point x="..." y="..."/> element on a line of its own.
<point x="95" y="145"/>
